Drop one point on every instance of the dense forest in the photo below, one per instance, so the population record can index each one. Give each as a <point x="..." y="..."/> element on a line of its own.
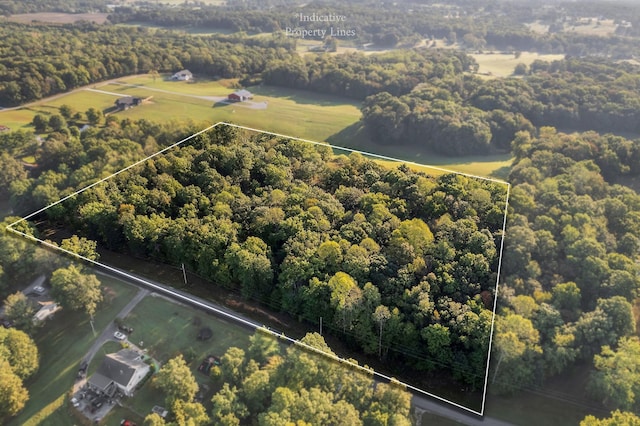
<point x="475" y="25"/>
<point x="268" y="386"/>
<point x="398" y="259"/>
<point x="570" y="265"/>
<point x="474" y="115"/>
<point x="393" y="259"/>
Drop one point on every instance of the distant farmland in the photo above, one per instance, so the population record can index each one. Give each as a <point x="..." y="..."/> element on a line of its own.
<point x="58" y="18"/>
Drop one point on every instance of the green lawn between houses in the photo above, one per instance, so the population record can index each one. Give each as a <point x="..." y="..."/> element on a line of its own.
<point x="62" y="342"/>
<point x="168" y="329"/>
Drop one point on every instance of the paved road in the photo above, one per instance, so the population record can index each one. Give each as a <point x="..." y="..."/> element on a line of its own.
<point x="444" y="410"/>
<point x="107" y="333"/>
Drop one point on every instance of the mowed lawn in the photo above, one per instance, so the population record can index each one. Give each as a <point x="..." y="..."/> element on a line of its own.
<point x="62" y="343"/>
<point x="290" y="112"/>
<point x="168" y="329"/>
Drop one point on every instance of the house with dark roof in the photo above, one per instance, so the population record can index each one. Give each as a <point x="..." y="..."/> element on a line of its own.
<point x="240" y="95"/>
<point x="184" y="75"/>
<point x="119" y="371"/>
<point x="128" y="102"/>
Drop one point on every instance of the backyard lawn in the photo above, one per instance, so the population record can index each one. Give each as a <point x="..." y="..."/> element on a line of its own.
<point x="168" y="329"/>
<point x="62" y="344"/>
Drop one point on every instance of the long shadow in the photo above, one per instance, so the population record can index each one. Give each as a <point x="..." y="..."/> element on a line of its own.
<point x="220" y="104"/>
<point x="300" y="96"/>
<point x="352" y="136"/>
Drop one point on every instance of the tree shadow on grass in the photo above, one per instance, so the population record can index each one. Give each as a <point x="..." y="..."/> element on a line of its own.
<point x="220" y="104"/>
<point x="302" y="96"/>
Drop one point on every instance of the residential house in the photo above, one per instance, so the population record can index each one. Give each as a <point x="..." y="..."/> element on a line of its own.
<point x="128" y="102"/>
<point x="184" y="75"/>
<point x="240" y="95"/>
<point x="119" y="371"/>
<point x="47" y="309"/>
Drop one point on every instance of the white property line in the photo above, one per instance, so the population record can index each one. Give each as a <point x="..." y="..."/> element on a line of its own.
<point x="246" y="322"/>
<point x="369" y="154"/>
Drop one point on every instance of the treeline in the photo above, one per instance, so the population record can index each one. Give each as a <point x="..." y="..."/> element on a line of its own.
<point x="11" y="7"/>
<point x="400" y="263"/>
<point x="464" y="115"/>
<point x="42" y="66"/>
<point x="55" y="59"/>
<point x="570" y="263"/>
<point x="497" y="25"/>
<point x="267" y="386"/>
<point x="302" y="387"/>
<point x="357" y="75"/>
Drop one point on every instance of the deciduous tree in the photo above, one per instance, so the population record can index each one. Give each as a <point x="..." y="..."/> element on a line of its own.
<point x="176" y="381"/>
<point x="75" y="290"/>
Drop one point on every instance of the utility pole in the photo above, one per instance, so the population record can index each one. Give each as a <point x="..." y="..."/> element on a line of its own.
<point x="184" y="274"/>
<point x="321" y="326"/>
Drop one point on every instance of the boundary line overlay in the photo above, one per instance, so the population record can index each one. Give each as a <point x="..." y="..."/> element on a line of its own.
<point x="208" y="307"/>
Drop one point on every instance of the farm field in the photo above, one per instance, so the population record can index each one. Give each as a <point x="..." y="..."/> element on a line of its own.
<point x="287" y="111"/>
<point x="503" y="64"/>
<point x="62" y="343"/>
<point x="493" y="166"/>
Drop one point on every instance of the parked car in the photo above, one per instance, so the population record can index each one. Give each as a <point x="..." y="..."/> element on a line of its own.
<point x="119" y="336"/>
<point x="75" y="402"/>
<point x="39" y="290"/>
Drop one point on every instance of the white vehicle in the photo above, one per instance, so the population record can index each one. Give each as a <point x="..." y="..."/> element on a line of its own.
<point x="38" y="289"/>
<point x="119" y="336"/>
<point x="75" y="402"/>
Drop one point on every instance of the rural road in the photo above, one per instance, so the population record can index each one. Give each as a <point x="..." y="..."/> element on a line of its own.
<point x="60" y="95"/>
<point x="419" y="402"/>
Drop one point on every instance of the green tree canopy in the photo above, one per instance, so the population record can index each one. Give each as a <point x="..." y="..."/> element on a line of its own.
<point x="75" y="290"/>
<point x="176" y="381"/>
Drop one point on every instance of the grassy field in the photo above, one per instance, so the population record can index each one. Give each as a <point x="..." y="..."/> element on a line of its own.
<point x="62" y="343"/>
<point x="503" y="64"/>
<point x="168" y="329"/>
<point x="290" y="112"/>
<point x="494" y="166"/>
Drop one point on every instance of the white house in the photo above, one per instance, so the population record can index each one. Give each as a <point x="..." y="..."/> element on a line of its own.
<point x="122" y="371"/>
<point x="47" y="309"/>
<point x="184" y="75"/>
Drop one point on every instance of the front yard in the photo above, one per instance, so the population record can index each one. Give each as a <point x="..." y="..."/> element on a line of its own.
<point x="167" y="329"/>
<point x="62" y="343"/>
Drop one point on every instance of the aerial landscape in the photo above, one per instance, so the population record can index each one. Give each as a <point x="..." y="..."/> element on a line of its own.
<point x="287" y="212"/>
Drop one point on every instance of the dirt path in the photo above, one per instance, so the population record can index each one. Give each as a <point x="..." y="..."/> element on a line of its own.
<point x="60" y="95"/>
<point x="218" y="99"/>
